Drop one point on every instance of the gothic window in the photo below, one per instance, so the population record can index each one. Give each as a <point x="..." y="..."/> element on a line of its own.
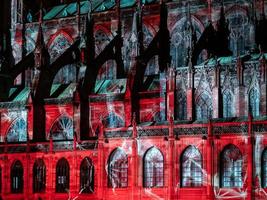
<point x="227" y="104"/>
<point x="203" y="107"/>
<point x="39" y="176"/>
<point x="153" y="168"/>
<point x="113" y="121"/>
<point x="16" y="177"/>
<point x="180" y="40"/>
<point x="62" y="129"/>
<point x="231" y="167"/>
<point x="254" y="102"/>
<point x="191" y="167"/>
<point x="264" y="168"/>
<point x="238" y="25"/>
<point x="87" y="176"/>
<point x="62" y="176"/>
<point x="118" y="169"/>
<point x="181" y="106"/>
<point x="58" y="46"/>
<point x="17" y="131"/>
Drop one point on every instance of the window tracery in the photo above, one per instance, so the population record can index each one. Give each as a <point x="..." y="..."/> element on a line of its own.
<point x="18" y="131"/>
<point x="254" y="102"/>
<point x="239" y="29"/>
<point x="180" y="40"/>
<point x="118" y="169"/>
<point x="204" y="106"/>
<point x="227" y="103"/>
<point x="191" y="166"/>
<point x="153" y="168"/>
<point x="58" y="46"/>
<point x="113" y="121"/>
<point x="231" y="167"/>
<point x="62" y="129"/>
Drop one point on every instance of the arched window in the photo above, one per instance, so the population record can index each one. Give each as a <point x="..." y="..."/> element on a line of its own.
<point x="16" y="177"/>
<point x="227" y="104"/>
<point x="17" y="131"/>
<point x="39" y="176"/>
<point x="113" y="121"/>
<point x="180" y="41"/>
<point x="239" y="27"/>
<point x="153" y="168"/>
<point x="254" y="102"/>
<point x="181" y="106"/>
<point x="118" y="169"/>
<point x="264" y="168"/>
<point x="87" y="176"/>
<point x="62" y="129"/>
<point x="191" y="167"/>
<point x="231" y="167"/>
<point x="203" y="107"/>
<point x="62" y="176"/>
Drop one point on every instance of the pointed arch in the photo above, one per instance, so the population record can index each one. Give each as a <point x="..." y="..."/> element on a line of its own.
<point x="231" y="163"/>
<point x="62" y="176"/>
<point x="239" y="29"/>
<point x="204" y="106"/>
<point x="191" y="167"/>
<point x="153" y="168"/>
<point x="39" y="176"/>
<point x="113" y="121"/>
<point x="17" y="131"/>
<point x="16" y="176"/>
<point x="228" y="105"/>
<point x="87" y="174"/>
<point x="62" y="129"/>
<point x="118" y="169"/>
<point x="179" y="40"/>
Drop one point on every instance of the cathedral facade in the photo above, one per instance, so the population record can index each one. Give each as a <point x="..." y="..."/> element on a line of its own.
<point x="130" y="99"/>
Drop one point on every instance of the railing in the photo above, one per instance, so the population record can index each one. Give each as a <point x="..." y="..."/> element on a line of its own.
<point x="212" y="128"/>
